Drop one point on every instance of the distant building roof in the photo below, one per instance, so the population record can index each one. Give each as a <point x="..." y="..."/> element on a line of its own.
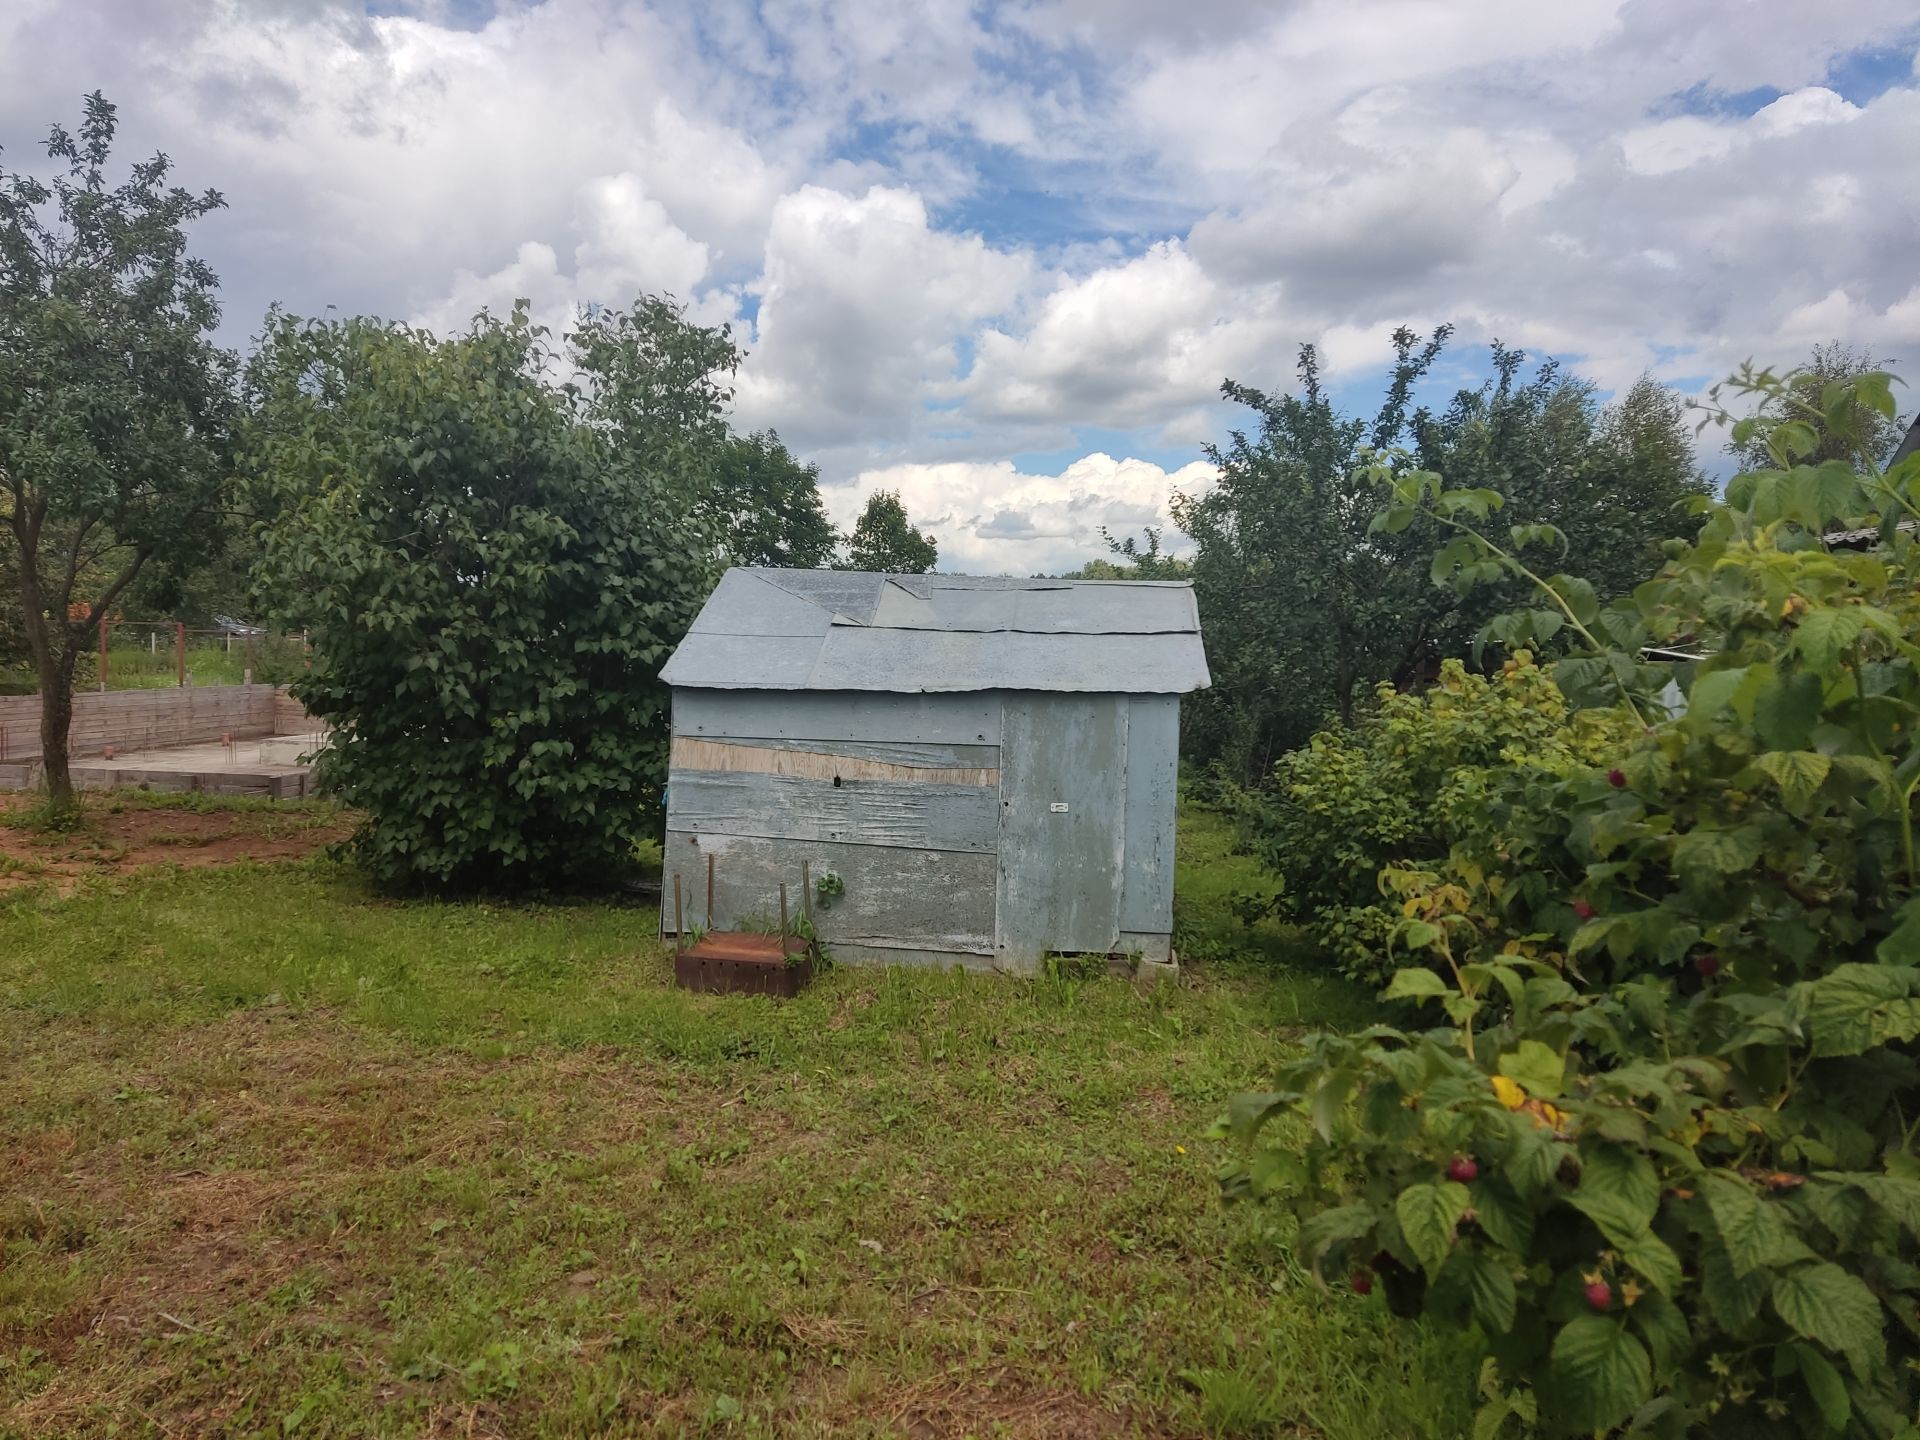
<point x="1908" y="445"/>
<point x="764" y="629"/>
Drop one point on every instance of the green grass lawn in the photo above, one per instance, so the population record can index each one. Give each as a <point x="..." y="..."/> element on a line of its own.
<point x="285" y="1158"/>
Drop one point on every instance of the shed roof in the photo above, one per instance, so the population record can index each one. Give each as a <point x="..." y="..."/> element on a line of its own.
<point x="765" y="629"/>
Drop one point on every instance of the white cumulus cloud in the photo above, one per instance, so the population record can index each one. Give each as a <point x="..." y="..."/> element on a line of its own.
<point x="990" y="518"/>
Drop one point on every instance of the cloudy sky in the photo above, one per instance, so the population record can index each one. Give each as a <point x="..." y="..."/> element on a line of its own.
<point x="1000" y="256"/>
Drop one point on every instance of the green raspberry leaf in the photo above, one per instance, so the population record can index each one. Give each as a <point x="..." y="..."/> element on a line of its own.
<point x="1428" y="1215"/>
<point x="1824" y="1303"/>
<point x="1598" y="1374"/>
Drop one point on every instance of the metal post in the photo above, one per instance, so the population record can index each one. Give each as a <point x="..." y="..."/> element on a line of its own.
<point x="676" y="914"/>
<point x="180" y="652"/>
<point x="103" y="652"/>
<point x="783" y="916"/>
<point x="709" y="890"/>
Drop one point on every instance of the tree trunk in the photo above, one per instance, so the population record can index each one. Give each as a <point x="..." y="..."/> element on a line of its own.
<point x="1343" y="669"/>
<point x="56" y="639"/>
<point x="53" y="663"/>
<point x="56" y="719"/>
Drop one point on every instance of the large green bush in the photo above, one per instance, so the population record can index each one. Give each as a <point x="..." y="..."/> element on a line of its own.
<point x="493" y="578"/>
<point x="1658" y="1144"/>
<point x="1408" y="782"/>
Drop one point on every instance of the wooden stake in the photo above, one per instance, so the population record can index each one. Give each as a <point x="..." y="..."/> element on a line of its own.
<point x="103" y="652"/>
<point x="180" y="652"/>
<point x="806" y="891"/>
<point x="783" y="913"/>
<point x="709" y="890"/>
<point x="676" y="914"/>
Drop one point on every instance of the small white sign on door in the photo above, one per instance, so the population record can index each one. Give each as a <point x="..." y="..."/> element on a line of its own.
<point x="1058" y="807"/>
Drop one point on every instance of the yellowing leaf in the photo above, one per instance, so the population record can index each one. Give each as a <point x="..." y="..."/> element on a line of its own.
<point x="1798" y="773"/>
<point x="1539" y="1068"/>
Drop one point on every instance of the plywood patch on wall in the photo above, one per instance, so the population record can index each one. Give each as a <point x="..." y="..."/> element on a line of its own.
<point x="690" y="753"/>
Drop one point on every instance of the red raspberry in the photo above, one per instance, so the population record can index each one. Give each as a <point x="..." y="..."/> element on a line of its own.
<point x="1362" y="1283"/>
<point x="1600" y="1295"/>
<point x="1464" y="1169"/>
<point x="1583" y="907"/>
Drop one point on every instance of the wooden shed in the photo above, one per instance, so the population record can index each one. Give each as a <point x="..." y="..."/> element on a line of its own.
<point x="982" y="770"/>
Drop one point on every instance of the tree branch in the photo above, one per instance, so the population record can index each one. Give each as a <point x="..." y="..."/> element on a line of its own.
<point x="113" y="591"/>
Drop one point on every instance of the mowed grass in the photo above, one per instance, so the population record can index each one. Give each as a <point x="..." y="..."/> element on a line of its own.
<point x="284" y="1157"/>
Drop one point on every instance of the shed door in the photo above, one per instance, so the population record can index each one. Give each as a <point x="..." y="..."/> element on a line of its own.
<point x="1063" y="794"/>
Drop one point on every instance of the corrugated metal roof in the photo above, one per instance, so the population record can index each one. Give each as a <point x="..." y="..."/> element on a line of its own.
<point x="854" y="630"/>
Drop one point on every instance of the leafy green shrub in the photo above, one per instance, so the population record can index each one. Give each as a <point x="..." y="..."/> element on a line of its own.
<point x="1660" y="1148"/>
<point x="493" y="578"/>
<point x="1408" y="782"/>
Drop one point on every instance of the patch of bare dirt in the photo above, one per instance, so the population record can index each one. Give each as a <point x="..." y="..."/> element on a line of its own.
<point x="118" y="837"/>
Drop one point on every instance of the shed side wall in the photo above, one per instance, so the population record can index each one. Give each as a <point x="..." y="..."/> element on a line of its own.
<point x="1062" y="825"/>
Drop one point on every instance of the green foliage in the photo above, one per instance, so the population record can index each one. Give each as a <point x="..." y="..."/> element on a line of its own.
<point x="652" y="381"/>
<point x="768" y="505"/>
<point x="494" y="576"/>
<point x="1873" y="433"/>
<point x="1135" y="559"/>
<point x="114" y="402"/>
<point x="1308" y="606"/>
<point x="884" y="539"/>
<point x="1660" y="1146"/>
<point x="1407" y="783"/>
<point x="827" y="888"/>
<point x="654" y="384"/>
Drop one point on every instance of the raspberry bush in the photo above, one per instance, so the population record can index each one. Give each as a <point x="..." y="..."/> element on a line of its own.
<point x="1666" y="998"/>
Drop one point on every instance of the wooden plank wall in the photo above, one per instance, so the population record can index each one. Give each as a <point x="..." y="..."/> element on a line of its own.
<point x="958" y="719"/>
<point x="897" y="898"/>
<point x="898" y="795"/>
<point x="148" y="719"/>
<point x="863" y="812"/>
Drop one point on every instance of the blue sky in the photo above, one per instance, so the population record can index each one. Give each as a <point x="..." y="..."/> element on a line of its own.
<point x="1000" y="254"/>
